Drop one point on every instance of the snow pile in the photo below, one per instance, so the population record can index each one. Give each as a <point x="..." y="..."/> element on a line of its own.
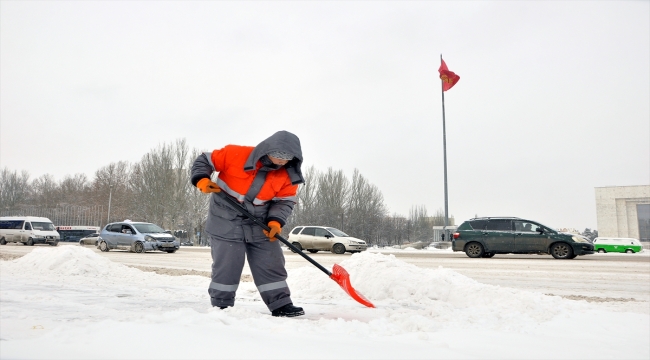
<point x="68" y="261"/>
<point x="55" y="305"/>
<point x="434" y="295"/>
<point x="433" y="248"/>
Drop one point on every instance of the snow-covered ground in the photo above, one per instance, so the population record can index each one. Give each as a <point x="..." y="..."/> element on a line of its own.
<point x="70" y="302"/>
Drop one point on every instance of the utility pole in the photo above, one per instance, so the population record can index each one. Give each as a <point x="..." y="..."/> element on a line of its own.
<point x="110" y="195"/>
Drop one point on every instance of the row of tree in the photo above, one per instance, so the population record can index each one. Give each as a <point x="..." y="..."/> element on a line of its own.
<point x="157" y="189"/>
<point x="356" y="206"/>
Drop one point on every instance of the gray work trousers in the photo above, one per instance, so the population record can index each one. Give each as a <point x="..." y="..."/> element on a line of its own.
<point x="266" y="262"/>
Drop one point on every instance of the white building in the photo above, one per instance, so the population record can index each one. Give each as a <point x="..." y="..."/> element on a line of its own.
<point x="623" y="211"/>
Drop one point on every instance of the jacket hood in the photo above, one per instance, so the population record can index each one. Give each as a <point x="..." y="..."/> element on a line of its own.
<point x="280" y="141"/>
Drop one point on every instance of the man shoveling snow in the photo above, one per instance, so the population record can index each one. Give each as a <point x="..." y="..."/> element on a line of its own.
<point x="264" y="179"/>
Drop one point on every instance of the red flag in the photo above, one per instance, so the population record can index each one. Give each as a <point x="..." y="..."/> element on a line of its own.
<point x="449" y="78"/>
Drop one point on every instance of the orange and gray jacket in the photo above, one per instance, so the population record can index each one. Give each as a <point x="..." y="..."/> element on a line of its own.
<point x="269" y="193"/>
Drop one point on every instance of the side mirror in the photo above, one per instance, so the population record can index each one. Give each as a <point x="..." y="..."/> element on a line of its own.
<point x="539" y="230"/>
<point x="328" y="236"/>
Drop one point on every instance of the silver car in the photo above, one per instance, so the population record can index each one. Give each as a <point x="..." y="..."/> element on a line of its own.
<point x="317" y="238"/>
<point x="89" y="239"/>
<point x="136" y="237"/>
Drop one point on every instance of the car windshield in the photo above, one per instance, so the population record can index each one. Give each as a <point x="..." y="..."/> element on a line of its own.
<point x="148" y="228"/>
<point x="337" y="232"/>
<point x="44" y="226"/>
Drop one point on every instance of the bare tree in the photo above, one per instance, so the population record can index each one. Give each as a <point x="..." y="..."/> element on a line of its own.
<point x="74" y="189"/>
<point x="305" y="211"/>
<point x="159" y="184"/>
<point x="395" y="230"/>
<point x="332" y="197"/>
<point x="14" y="188"/>
<point x="180" y="186"/>
<point x="45" y="191"/>
<point x="438" y="219"/>
<point x="112" y="182"/>
<point x="196" y="203"/>
<point x="420" y="226"/>
<point x="151" y="182"/>
<point x="365" y="208"/>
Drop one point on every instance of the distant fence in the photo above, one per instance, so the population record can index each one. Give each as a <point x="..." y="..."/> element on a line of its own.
<point x="65" y="215"/>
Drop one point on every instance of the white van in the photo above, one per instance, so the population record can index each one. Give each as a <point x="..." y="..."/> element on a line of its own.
<point x="28" y="230"/>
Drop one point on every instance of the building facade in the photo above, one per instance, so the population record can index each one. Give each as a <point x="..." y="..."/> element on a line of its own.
<point x="623" y="211"/>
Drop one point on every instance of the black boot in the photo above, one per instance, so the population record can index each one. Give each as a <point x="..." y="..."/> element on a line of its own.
<point x="288" y="311"/>
<point x="217" y="303"/>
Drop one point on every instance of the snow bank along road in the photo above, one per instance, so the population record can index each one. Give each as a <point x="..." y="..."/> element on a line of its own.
<point x="619" y="280"/>
<point x="73" y="302"/>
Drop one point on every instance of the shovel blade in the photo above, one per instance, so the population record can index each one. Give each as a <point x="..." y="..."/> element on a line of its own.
<point x="343" y="279"/>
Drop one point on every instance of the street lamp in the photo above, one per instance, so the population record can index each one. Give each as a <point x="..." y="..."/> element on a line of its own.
<point x="110" y="195"/>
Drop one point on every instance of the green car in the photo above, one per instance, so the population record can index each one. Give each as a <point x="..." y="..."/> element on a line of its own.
<point x="626" y="245"/>
<point x="487" y="236"/>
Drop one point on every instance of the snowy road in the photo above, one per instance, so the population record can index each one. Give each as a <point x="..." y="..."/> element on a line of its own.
<point x="614" y="278"/>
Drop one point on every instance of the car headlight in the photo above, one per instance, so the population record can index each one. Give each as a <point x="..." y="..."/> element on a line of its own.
<point x="149" y="238"/>
<point x="579" y="239"/>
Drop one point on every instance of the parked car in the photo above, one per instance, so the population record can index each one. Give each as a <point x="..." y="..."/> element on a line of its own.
<point x="89" y="239"/>
<point x="187" y="243"/>
<point x="487" y="236"/>
<point x="627" y="245"/>
<point x="137" y="237"/>
<point x="317" y="238"/>
<point x="28" y="230"/>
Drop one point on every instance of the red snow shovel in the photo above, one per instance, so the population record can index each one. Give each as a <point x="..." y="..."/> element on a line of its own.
<point x="338" y="273"/>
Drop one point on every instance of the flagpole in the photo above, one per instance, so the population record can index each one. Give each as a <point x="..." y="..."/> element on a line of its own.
<point x="444" y="151"/>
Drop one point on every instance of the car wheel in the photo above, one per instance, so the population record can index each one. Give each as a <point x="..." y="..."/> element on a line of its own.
<point x="296" y="244"/>
<point x="562" y="251"/>
<point x="629" y="251"/>
<point x="54" y="243"/>
<point x="488" y="255"/>
<point x="81" y="243"/>
<point x="3" y="241"/>
<point x="138" y="247"/>
<point x="313" y="251"/>
<point x="103" y="246"/>
<point x="338" y="249"/>
<point x="30" y="242"/>
<point x="602" y="251"/>
<point x="474" y="250"/>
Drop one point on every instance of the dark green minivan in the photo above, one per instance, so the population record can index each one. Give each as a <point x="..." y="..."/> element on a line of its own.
<point x="487" y="236"/>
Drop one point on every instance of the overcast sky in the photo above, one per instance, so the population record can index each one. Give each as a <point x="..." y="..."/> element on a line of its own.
<point x="553" y="100"/>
